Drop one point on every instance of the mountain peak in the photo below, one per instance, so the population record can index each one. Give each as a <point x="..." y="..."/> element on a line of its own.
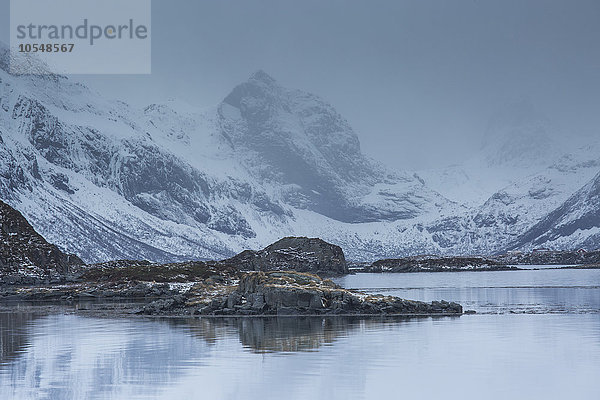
<point x="263" y="77"/>
<point x="519" y="134"/>
<point x="260" y="85"/>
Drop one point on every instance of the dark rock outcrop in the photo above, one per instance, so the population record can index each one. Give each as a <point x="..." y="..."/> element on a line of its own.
<point x="294" y="253"/>
<point x="25" y="256"/>
<point x="163" y="305"/>
<point x="436" y="264"/>
<point x="294" y="293"/>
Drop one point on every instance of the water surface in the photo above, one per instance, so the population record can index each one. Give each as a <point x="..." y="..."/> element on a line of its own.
<point x="529" y="291"/>
<point x="551" y="354"/>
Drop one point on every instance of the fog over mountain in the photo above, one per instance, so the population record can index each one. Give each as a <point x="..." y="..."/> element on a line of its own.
<point x="417" y="81"/>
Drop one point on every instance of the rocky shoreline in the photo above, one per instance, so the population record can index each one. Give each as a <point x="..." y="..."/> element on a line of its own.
<point x="275" y="293"/>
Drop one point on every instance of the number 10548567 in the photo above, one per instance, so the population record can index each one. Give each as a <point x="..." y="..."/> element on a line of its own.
<point x="46" y="48"/>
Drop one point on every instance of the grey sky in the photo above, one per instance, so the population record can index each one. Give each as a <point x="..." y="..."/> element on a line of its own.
<point x="418" y="80"/>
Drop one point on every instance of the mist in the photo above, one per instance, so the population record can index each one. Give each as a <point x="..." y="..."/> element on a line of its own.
<point x="418" y="80"/>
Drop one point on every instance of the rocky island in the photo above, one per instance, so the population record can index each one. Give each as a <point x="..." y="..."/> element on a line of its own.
<point x="580" y="257"/>
<point x="294" y="293"/>
<point x="437" y="264"/>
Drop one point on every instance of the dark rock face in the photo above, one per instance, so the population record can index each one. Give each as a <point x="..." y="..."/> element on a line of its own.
<point x="294" y="293"/>
<point x="25" y="256"/>
<point x="163" y="305"/>
<point x="294" y="253"/>
<point x="435" y="264"/>
<point x="328" y="156"/>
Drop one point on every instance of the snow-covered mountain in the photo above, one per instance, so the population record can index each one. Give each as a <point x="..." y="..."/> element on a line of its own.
<point x="105" y="180"/>
<point x="520" y="176"/>
<point x="299" y="144"/>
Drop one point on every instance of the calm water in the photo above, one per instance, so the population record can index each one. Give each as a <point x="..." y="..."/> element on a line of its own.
<point x="551" y="354"/>
<point x="531" y="291"/>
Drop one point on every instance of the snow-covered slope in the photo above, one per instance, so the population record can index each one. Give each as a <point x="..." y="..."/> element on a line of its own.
<point x="575" y="222"/>
<point x="91" y="177"/>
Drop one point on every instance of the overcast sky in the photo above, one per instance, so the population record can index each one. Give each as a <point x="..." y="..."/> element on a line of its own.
<point x="418" y="80"/>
